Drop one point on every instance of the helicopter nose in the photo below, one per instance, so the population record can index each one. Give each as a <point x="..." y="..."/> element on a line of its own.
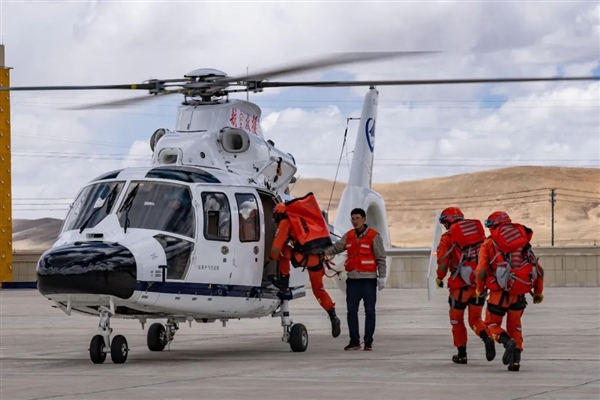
<point x="87" y="267"/>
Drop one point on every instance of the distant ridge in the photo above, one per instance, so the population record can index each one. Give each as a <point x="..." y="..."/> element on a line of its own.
<point x="411" y="205"/>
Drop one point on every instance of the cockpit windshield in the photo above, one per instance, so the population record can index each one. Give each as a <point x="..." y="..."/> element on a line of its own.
<point x="92" y="205"/>
<point x="159" y="206"/>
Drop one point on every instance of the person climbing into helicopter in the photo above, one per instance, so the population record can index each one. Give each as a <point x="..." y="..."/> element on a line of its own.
<point x="283" y="250"/>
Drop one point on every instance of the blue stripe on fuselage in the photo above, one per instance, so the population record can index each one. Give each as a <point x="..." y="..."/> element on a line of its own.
<point x="204" y="289"/>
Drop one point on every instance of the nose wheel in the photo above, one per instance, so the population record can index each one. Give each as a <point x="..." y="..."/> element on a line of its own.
<point x="101" y="344"/>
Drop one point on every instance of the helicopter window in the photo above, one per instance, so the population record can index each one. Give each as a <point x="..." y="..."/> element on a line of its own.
<point x="178" y="252"/>
<point x="159" y="206"/>
<point x="94" y="203"/>
<point x="248" y="217"/>
<point x="217" y="216"/>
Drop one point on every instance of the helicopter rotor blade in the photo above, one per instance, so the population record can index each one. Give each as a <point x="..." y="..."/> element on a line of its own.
<point x="327" y="61"/>
<point x="122" y="102"/>
<point x="422" y="82"/>
<point x="139" y="86"/>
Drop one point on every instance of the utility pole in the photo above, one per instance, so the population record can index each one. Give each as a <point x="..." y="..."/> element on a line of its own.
<point x="552" y="201"/>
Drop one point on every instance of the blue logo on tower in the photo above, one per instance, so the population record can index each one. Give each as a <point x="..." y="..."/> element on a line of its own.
<point x="370" y="132"/>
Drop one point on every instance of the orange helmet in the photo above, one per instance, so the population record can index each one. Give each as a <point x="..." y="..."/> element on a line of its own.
<point x="451" y="214"/>
<point x="279" y="211"/>
<point x="496" y="218"/>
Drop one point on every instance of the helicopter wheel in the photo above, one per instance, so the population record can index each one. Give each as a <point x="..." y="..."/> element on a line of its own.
<point x="119" y="349"/>
<point x="157" y="337"/>
<point x="298" y="338"/>
<point x="97" y="354"/>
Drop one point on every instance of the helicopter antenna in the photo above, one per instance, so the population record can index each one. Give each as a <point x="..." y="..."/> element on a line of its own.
<point x="339" y="161"/>
<point x="247" y="91"/>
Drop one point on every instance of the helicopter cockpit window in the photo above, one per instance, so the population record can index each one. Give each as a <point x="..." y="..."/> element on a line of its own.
<point x="217" y="216"/>
<point x="248" y="217"/>
<point x="159" y="206"/>
<point x="92" y="205"/>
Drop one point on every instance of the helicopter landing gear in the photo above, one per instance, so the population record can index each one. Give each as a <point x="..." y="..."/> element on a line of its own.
<point x="101" y="343"/>
<point x="160" y="335"/>
<point x="294" y="334"/>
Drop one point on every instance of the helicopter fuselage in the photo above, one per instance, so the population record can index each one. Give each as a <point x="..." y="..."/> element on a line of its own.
<point x="167" y="239"/>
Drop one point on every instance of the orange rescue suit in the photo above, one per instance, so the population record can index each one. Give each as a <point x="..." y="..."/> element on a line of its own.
<point x="502" y="303"/>
<point x="282" y="251"/>
<point x="459" y="299"/>
<point x="361" y="257"/>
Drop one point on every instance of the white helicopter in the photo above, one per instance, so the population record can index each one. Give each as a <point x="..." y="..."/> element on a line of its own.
<point x="187" y="238"/>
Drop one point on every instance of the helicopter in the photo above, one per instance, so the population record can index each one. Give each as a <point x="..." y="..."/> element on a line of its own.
<point x="187" y="238"/>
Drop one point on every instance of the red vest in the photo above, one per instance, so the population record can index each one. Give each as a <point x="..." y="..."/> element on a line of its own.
<point x="360" y="254"/>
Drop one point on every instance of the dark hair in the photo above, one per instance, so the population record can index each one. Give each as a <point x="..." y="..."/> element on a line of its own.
<point x="358" y="211"/>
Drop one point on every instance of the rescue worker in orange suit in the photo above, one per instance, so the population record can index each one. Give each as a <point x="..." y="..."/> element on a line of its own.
<point x="461" y="293"/>
<point x="508" y="299"/>
<point x="282" y="251"/>
<point x="366" y="272"/>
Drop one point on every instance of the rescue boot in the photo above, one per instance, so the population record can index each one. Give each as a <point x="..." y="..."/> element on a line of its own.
<point x="335" y="323"/>
<point x="516" y="362"/>
<point x="461" y="357"/>
<point x="509" y="348"/>
<point x="490" y="346"/>
<point x="283" y="284"/>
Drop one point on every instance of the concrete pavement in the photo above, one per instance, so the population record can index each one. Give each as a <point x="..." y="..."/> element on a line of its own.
<point x="44" y="355"/>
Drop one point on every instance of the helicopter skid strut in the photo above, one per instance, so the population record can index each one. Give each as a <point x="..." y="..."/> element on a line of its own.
<point x="101" y="344"/>
<point x="294" y="334"/>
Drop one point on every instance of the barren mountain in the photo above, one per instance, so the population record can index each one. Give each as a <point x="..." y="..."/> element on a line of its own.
<point x="523" y="192"/>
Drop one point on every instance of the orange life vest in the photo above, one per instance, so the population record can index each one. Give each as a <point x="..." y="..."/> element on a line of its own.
<point x="467" y="236"/>
<point x="514" y="265"/>
<point x="311" y="234"/>
<point x="360" y="253"/>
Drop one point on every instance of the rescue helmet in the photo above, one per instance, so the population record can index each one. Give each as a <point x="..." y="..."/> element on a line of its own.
<point x="497" y="218"/>
<point x="450" y="215"/>
<point x="279" y="211"/>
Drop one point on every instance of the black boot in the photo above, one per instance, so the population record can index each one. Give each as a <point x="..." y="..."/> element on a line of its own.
<point x="490" y="347"/>
<point x="516" y="362"/>
<point x="461" y="357"/>
<point x="509" y="345"/>
<point x="284" y="288"/>
<point x="335" y="323"/>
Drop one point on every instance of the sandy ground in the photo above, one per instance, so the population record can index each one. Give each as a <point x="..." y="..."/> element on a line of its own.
<point x="44" y="355"/>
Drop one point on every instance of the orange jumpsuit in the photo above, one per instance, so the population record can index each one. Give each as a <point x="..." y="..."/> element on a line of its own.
<point x="282" y="251"/>
<point x="459" y="299"/>
<point x="500" y="302"/>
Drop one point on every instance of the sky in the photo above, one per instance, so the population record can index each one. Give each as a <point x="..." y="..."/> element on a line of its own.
<point x="422" y="131"/>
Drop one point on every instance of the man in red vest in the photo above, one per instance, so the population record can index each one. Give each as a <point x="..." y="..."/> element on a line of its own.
<point x="366" y="272"/>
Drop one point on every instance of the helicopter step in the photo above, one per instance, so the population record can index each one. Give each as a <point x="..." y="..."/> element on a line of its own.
<point x="101" y="344"/>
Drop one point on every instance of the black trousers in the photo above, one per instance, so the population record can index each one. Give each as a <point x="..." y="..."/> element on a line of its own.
<point x="357" y="290"/>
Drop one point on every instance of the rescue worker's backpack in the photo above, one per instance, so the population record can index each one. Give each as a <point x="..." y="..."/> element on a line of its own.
<point x="514" y="263"/>
<point x="308" y="225"/>
<point x="467" y="237"/>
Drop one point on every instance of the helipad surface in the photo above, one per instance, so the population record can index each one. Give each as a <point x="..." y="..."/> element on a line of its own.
<point x="44" y="355"/>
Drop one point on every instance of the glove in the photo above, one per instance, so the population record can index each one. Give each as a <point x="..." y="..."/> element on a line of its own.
<point x="439" y="282"/>
<point x="480" y="299"/>
<point x="480" y="294"/>
<point x="538" y="298"/>
<point x="380" y="283"/>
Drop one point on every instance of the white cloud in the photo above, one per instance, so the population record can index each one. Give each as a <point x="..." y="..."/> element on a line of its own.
<point x="418" y="126"/>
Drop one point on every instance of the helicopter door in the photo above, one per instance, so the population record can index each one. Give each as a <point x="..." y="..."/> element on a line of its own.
<point x="249" y="248"/>
<point x="215" y="253"/>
